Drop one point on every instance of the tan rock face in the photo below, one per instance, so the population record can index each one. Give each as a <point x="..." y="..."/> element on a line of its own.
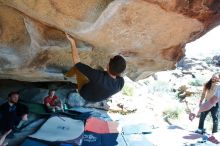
<point x="150" y="34"/>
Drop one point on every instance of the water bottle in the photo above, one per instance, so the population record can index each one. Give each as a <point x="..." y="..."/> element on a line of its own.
<point x="65" y="107"/>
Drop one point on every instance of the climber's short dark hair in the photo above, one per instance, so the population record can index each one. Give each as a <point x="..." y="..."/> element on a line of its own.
<point x="117" y="65"/>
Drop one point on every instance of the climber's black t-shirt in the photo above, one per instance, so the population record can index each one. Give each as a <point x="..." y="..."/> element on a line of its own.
<point x="100" y="86"/>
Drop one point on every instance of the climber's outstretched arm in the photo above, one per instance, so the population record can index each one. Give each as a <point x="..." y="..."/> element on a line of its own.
<point x="75" y="53"/>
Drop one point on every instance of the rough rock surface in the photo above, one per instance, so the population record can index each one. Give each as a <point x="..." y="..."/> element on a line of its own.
<point x="150" y="34"/>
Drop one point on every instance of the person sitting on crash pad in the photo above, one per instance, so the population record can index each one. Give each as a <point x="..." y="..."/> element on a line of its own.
<point x="52" y="102"/>
<point x="96" y="85"/>
<point x="12" y="113"/>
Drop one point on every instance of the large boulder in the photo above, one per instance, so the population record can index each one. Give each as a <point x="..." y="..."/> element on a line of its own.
<point x="150" y="34"/>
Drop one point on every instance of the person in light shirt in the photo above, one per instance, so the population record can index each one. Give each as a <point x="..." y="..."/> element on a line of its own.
<point x="207" y="106"/>
<point x="208" y="92"/>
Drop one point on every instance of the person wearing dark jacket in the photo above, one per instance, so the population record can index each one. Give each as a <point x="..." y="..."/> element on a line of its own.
<point x="12" y="112"/>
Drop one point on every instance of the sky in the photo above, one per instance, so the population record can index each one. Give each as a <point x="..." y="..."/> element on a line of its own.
<point x="206" y="46"/>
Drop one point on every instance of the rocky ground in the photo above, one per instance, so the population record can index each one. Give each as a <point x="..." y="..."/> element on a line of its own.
<point x="172" y="94"/>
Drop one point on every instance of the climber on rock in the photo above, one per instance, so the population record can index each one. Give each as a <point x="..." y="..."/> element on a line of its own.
<point x="95" y="85"/>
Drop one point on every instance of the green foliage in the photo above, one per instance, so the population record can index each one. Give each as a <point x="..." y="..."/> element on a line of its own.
<point x="172" y="113"/>
<point x="160" y="86"/>
<point x="128" y="90"/>
<point x="197" y="82"/>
